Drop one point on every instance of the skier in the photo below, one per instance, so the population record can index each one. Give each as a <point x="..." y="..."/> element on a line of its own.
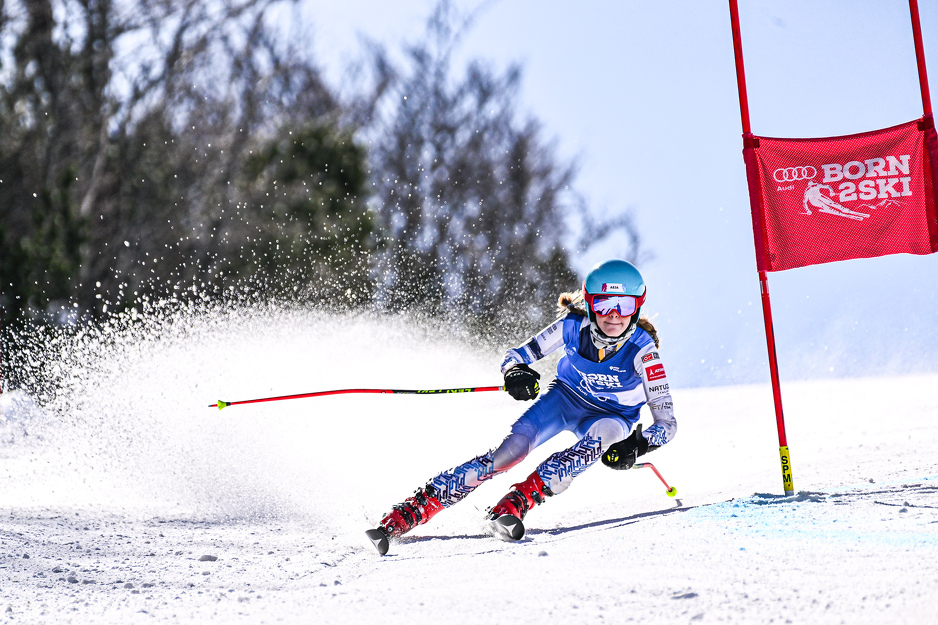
<point x="610" y="368"/>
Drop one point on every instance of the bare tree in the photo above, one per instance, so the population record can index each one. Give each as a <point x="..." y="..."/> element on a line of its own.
<point x="474" y="203"/>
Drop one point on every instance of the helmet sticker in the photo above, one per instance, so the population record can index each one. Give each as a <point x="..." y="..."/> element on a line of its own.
<point x="612" y="287"/>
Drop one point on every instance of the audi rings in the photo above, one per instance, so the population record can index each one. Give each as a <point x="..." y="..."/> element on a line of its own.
<point x="790" y="174"/>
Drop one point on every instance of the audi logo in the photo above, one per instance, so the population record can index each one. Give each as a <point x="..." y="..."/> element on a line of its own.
<point x="790" y="174"/>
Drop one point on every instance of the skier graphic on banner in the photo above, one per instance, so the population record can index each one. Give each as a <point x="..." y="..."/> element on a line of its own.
<point x="814" y="196"/>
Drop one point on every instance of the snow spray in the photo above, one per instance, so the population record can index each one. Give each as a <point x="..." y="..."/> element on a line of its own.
<point x="114" y="416"/>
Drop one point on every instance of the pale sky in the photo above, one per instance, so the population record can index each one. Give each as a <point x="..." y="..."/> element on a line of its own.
<point x="644" y="93"/>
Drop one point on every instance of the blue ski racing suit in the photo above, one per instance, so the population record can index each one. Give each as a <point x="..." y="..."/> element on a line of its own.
<point x="597" y="394"/>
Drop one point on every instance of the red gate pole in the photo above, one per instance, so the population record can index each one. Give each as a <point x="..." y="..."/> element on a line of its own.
<point x="920" y="57"/>
<point x="787" y="480"/>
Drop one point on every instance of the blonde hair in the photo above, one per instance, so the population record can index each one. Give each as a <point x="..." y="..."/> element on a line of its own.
<point x="571" y="302"/>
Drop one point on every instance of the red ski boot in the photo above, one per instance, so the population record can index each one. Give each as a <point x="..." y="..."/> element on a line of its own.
<point x="415" y="511"/>
<point x="507" y="514"/>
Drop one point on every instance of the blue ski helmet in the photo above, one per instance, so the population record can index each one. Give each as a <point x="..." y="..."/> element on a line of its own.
<point x="614" y="278"/>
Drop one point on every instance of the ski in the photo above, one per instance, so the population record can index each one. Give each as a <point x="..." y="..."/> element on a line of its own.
<point x="507" y="527"/>
<point x="380" y="540"/>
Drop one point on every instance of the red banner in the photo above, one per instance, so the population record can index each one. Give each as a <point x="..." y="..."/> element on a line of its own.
<point x="857" y="196"/>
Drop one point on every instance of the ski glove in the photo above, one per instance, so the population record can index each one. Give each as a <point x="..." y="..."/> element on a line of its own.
<point x="521" y="382"/>
<point x="622" y="455"/>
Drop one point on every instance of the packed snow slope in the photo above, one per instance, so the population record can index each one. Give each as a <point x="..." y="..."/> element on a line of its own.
<point x="125" y="499"/>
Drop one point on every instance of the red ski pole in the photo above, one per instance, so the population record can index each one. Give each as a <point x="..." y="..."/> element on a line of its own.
<point x="647" y="465"/>
<point x="478" y="389"/>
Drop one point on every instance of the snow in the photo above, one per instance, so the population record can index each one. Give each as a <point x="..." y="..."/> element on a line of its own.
<point x="118" y="480"/>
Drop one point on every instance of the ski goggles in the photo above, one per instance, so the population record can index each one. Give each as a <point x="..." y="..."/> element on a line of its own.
<point x="625" y="305"/>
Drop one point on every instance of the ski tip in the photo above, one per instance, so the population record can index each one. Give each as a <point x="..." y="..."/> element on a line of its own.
<point x="672" y="492"/>
<point x="380" y="540"/>
<point x="509" y="527"/>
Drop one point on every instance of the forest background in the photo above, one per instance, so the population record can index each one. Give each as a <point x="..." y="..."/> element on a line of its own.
<point x="449" y="224"/>
<point x="189" y="152"/>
